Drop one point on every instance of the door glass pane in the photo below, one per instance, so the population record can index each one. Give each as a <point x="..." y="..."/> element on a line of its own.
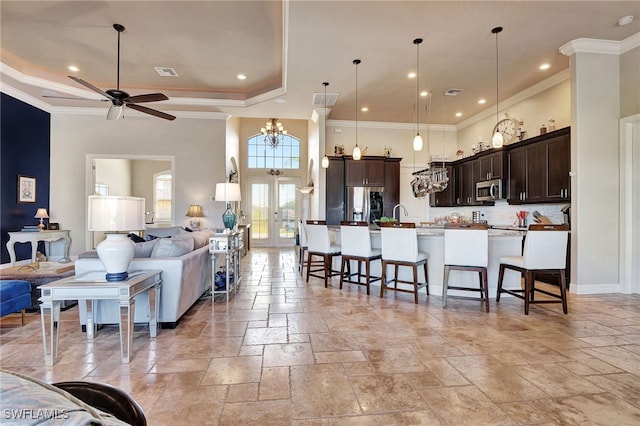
<point x="259" y="211"/>
<point x="287" y="209"/>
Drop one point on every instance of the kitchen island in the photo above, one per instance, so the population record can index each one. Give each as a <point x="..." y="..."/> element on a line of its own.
<point x="431" y="240"/>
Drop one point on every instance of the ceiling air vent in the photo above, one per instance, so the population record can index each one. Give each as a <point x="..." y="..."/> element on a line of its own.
<point x="318" y="99"/>
<point x="452" y="92"/>
<point x="166" y="72"/>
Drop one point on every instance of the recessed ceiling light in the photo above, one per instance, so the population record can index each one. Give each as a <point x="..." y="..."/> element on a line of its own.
<point x="241" y="77"/>
<point x="544" y="66"/>
<point x="482" y="101"/>
<point x="365" y="109"/>
<point x="281" y="100"/>
<point x="424" y="93"/>
<point x="73" y="68"/>
<point x="458" y="114"/>
<point x="411" y="75"/>
<point x="625" y="20"/>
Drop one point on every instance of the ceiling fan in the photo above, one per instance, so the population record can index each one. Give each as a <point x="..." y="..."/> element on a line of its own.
<point x="121" y="99"/>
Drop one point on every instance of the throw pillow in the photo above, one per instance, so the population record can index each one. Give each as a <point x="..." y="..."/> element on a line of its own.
<point x="136" y="239"/>
<point x="152" y="233"/>
<point x="172" y="247"/>
<point x="144" y="248"/>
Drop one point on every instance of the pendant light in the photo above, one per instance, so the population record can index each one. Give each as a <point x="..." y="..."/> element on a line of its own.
<point x="498" y="140"/>
<point x="417" y="140"/>
<point x="325" y="160"/>
<point x="357" y="154"/>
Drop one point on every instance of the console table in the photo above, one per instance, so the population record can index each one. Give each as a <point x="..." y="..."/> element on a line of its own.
<point x="93" y="286"/>
<point x="230" y="245"/>
<point x="33" y="238"/>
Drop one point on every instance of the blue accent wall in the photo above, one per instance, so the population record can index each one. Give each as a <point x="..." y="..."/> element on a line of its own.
<point x="24" y="150"/>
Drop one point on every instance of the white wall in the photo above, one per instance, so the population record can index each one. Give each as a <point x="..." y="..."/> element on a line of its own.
<point x="197" y="145"/>
<point x="115" y="173"/>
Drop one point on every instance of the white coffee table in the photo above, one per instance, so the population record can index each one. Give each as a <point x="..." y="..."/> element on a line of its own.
<point x="93" y="286"/>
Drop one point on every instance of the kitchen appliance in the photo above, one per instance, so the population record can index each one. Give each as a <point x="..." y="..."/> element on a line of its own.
<point x="489" y="190"/>
<point x="364" y="203"/>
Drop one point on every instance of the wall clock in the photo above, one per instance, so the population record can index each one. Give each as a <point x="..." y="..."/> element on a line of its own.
<point x="508" y="127"/>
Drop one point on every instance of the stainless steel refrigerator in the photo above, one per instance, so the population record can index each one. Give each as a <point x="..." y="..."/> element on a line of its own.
<point x="364" y="203"/>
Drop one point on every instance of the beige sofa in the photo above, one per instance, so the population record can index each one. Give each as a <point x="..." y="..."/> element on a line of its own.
<point x="185" y="263"/>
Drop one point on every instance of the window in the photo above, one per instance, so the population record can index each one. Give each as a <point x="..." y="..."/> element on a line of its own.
<point x="101" y="189"/>
<point x="262" y="156"/>
<point x="162" y="196"/>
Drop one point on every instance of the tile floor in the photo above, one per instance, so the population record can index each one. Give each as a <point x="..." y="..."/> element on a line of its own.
<point x="287" y="352"/>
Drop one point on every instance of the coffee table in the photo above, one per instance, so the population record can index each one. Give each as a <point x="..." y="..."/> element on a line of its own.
<point x="93" y="286"/>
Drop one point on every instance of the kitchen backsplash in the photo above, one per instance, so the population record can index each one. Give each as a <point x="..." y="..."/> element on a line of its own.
<point x="502" y="213"/>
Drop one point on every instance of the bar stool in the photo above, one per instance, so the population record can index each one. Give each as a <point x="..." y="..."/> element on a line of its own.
<point x="545" y="250"/>
<point x="400" y="248"/>
<point x="320" y="244"/>
<point x="356" y="246"/>
<point x="466" y="248"/>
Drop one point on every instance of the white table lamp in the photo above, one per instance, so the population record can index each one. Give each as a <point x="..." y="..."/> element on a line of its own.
<point x="41" y="214"/>
<point x="228" y="192"/>
<point x="116" y="216"/>
<point x="194" y="212"/>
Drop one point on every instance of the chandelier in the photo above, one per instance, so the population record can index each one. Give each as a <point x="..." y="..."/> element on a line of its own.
<point x="273" y="132"/>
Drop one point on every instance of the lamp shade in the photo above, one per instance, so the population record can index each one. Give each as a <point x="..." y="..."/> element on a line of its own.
<point x="228" y="192"/>
<point x="113" y="213"/>
<point x="195" y="210"/>
<point x="41" y="213"/>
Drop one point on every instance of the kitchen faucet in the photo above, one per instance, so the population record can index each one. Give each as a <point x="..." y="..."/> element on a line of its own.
<point x="394" y="211"/>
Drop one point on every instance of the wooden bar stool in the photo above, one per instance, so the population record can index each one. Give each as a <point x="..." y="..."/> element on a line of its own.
<point x="356" y="246"/>
<point x="320" y="244"/>
<point x="545" y="250"/>
<point x="466" y="248"/>
<point x="400" y="248"/>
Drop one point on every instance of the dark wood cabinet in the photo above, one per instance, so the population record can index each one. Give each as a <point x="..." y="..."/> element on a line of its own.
<point x="446" y="198"/>
<point x="391" y="185"/>
<point x="335" y="193"/>
<point x="364" y="172"/>
<point x="489" y="167"/>
<point x="466" y="184"/>
<point x="559" y="165"/>
<point x="538" y="172"/>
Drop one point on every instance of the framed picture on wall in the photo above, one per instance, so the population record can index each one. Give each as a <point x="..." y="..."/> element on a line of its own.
<point x="26" y="189"/>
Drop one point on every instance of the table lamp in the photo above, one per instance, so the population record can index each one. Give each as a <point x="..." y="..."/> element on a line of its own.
<point x="228" y="192"/>
<point x="41" y="214"/>
<point x="116" y="216"/>
<point x="195" y="210"/>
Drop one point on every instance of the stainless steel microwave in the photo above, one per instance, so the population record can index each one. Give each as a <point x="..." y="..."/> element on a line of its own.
<point x="489" y="190"/>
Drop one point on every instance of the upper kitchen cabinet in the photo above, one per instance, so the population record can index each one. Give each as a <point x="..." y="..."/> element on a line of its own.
<point x="538" y="170"/>
<point x="364" y="172"/>
<point x="466" y="183"/>
<point x="489" y="167"/>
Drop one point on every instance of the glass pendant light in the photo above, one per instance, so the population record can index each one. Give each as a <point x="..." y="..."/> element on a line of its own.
<point x="357" y="154"/>
<point x="325" y="160"/>
<point x="417" y="140"/>
<point x="498" y="140"/>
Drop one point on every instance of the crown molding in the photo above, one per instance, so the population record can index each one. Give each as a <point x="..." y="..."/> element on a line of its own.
<point x="388" y="125"/>
<point x="600" y="47"/>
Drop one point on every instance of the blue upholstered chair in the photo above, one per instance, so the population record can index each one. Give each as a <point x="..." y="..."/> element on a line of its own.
<point x="15" y="296"/>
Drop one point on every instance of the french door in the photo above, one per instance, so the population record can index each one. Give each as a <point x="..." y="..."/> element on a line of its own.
<point x="272" y="212"/>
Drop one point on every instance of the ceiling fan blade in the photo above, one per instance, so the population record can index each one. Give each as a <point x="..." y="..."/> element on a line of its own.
<point x="54" y="95"/>
<point x="91" y="86"/>
<point x="150" y="111"/>
<point x="149" y="97"/>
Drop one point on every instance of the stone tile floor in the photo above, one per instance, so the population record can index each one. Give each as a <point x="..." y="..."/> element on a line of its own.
<point x="286" y="352"/>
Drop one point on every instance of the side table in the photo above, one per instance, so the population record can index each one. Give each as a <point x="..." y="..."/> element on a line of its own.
<point x="93" y="286"/>
<point x="229" y="245"/>
<point x="33" y="238"/>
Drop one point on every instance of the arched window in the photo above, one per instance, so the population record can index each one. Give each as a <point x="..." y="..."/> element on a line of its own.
<point x="162" y="196"/>
<point x="284" y="156"/>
